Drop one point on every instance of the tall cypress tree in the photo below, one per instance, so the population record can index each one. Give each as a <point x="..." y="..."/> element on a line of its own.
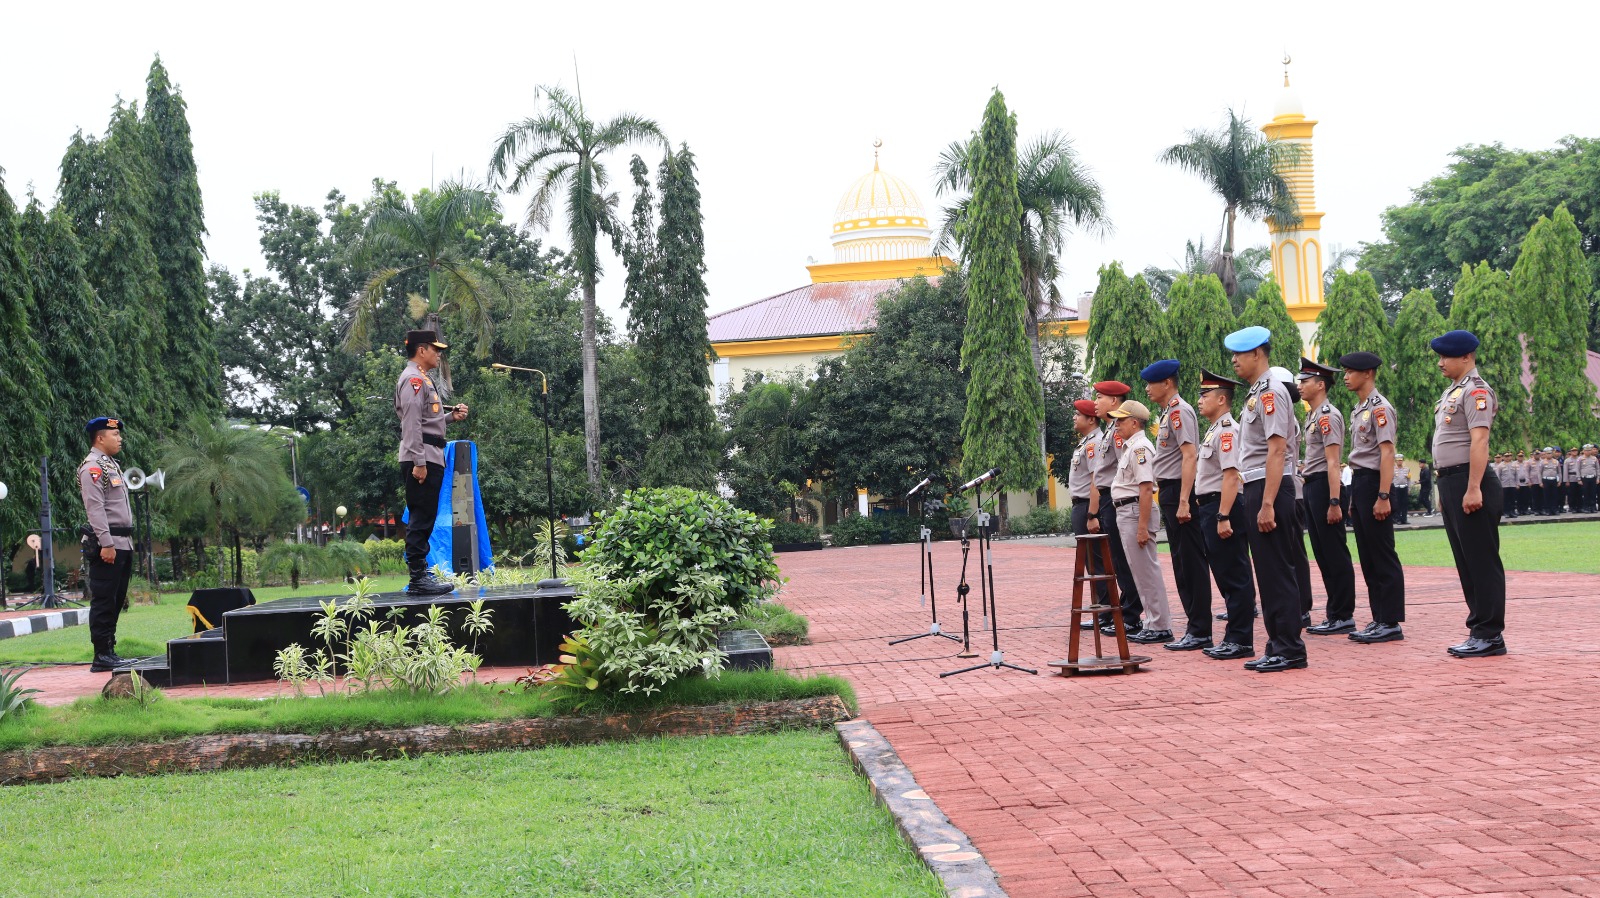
<point x="1484" y="306"/>
<point x="1198" y="318"/>
<point x="1551" y="284"/>
<point x="24" y="433"/>
<point x="176" y="236"/>
<point x="1352" y="322"/>
<point x="1267" y="310"/>
<point x="105" y="189"/>
<point x="1005" y="402"/>
<point x="667" y="317"/>
<point x="1414" y="383"/>
<point x="1126" y="327"/>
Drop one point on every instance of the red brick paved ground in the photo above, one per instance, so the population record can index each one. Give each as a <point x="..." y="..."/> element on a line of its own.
<point x="1383" y="770"/>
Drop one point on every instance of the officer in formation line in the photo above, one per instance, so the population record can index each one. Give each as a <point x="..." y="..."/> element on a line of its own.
<point x="105" y="499"/>
<point x="1302" y="563"/>
<point x="1589" y="477"/>
<point x="1217" y="484"/>
<point x="1550" y="481"/>
<point x="1080" y="485"/>
<point x="422" y="422"/>
<point x="1321" y="468"/>
<point x="1133" y="497"/>
<point x="1373" y="426"/>
<point x="1572" y="481"/>
<point x="1108" y="394"/>
<point x="1177" y="458"/>
<point x="1401" y="487"/>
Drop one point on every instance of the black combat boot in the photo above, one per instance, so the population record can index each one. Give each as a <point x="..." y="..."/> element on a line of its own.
<point x="424" y="583"/>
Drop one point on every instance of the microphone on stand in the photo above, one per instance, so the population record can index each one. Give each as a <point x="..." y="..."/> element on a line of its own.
<point x="983" y="478"/>
<point x="925" y="481"/>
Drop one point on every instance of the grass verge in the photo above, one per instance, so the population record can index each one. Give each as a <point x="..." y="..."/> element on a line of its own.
<point x="749" y="815"/>
<point x="95" y="721"/>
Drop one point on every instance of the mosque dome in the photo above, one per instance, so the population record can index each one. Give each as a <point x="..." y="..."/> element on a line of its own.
<point x="1288" y="104"/>
<point x="880" y="218"/>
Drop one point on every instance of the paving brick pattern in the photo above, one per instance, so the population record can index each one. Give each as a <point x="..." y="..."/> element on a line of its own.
<point x="1384" y="770"/>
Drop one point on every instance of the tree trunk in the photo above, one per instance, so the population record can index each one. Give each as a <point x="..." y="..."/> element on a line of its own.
<point x="238" y="560"/>
<point x="1030" y="324"/>
<point x="591" y="388"/>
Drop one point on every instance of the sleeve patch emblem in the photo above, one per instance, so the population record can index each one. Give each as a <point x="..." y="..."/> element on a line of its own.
<point x="416" y="385"/>
<point x="1326" y="424"/>
<point x="1266" y="402"/>
<point x="1138" y="456"/>
<point x="1227" y="442"/>
<point x="1091" y="452"/>
<point x="1119" y="442"/>
<point x="1177" y="420"/>
<point x="1483" y="403"/>
<point x="1383" y="420"/>
<point x="94" y="474"/>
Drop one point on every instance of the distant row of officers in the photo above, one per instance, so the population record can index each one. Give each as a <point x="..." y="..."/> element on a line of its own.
<point x="1238" y="496"/>
<point x="1547" y="483"/>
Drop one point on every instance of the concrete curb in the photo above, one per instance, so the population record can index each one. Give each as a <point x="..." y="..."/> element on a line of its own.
<point x="941" y="844"/>
<point x="44" y="620"/>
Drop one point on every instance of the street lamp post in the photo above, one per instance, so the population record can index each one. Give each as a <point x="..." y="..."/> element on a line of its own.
<point x="339" y="513"/>
<point x="549" y="460"/>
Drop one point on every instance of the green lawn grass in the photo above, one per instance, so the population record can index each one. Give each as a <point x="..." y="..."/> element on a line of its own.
<point x="745" y="815"/>
<point x="145" y="629"/>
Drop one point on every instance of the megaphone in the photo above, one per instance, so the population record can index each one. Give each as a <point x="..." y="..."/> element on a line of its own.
<point x="138" y="479"/>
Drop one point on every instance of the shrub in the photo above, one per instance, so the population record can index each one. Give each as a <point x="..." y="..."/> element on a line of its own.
<point x="1042" y="519"/>
<point x="789" y="533"/>
<point x="856" y="530"/>
<point x="297" y="560"/>
<point x="899" y="528"/>
<point x="349" y="558"/>
<point x="384" y="551"/>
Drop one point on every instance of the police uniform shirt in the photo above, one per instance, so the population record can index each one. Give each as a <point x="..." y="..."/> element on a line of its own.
<point x="1137" y="466"/>
<point x="1588" y="466"/>
<point x="1469" y="402"/>
<point x="1549" y="469"/>
<point x="1267" y="413"/>
<point x="1324" y="428"/>
<point x="1530" y="472"/>
<point x="105" y="498"/>
<point x="1080" y="479"/>
<point x="422" y="417"/>
<point x="1570" y="469"/>
<point x="1402" y="477"/>
<point x="1218" y="452"/>
<point x="1374" y="425"/>
<point x="1177" y="428"/>
<point x="1106" y="454"/>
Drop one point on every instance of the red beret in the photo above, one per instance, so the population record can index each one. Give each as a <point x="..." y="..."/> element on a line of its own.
<point x="1112" y="388"/>
<point x="1085" y="407"/>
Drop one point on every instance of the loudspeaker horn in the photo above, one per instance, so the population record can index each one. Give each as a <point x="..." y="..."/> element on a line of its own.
<point x="158" y="479"/>
<point x="136" y="478"/>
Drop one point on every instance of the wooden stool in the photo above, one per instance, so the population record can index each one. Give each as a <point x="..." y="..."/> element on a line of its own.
<point x="1122" y="662"/>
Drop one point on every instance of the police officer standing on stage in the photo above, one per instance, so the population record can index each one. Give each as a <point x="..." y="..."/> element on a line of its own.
<point x="1080" y="485"/>
<point x="1268" y="504"/>
<point x="1217" y="486"/>
<point x="105" y="499"/>
<point x="1372" y="427"/>
<point x="1108" y="394"/>
<point x="1470" y="496"/>
<point x="1324" y="444"/>
<point x="1177" y="441"/>
<point x="422" y="423"/>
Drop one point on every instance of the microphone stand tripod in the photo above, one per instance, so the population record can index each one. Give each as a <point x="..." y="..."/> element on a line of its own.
<point x="925" y="570"/>
<point x="997" y="658"/>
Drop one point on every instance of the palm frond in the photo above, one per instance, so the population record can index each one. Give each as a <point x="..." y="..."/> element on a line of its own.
<point x="364" y="304"/>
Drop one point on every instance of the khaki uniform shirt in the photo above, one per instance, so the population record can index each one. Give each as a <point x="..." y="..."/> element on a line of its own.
<point x="1177" y="428"/>
<point x="1402" y="477"/>
<point x="1529" y="473"/>
<point x="1588" y="466"/>
<point x="1324" y="428"/>
<point x="422" y="417"/>
<point x="1569" y="469"/>
<point x="1218" y="452"/>
<point x="1080" y="480"/>
<point x="1549" y="470"/>
<point x="1373" y="425"/>
<point x="1107" y="452"/>
<point x="1468" y="403"/>
<point x="1267" y="413"/>
<point x="105" y="498"/>
<point x="1136" y="466"/>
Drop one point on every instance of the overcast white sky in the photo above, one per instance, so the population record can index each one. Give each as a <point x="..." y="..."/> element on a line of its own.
<point x="781" y="102"/>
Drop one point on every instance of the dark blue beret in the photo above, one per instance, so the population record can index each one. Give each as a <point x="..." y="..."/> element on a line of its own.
<point x="1455" y="344"/>
<point x="1159" y="370"/>
<point x="1360" y="361"/>
<point x="98" y="424"/>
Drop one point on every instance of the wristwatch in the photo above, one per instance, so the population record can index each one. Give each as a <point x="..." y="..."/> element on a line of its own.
<point x="1383" y="496"/>
<point x="1223" y="517"/>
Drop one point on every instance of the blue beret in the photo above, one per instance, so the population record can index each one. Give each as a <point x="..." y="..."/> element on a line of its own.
<point x="1455" y="344"/>
<point x="1360" y="361"/>
<point x="1247" y="339"/>
<point x="98" y="424"/>
<point x="1159" y="370"/>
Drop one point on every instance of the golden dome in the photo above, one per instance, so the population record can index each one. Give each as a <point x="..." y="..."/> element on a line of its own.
<point x="878" y="200"/>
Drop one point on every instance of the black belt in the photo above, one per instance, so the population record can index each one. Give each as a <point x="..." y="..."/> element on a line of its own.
<point x="121" y="531"/>
<point x="432" y="440"/>
<point x="1207" y="498"/>
<point x="1450" y="470"/>
<point x="1161" y="482"/>
<point x="1358" y="472"/>
<point x="1118" y="503"/>
<point x="1307" y="475"/>
<point x="1083" y="501"/>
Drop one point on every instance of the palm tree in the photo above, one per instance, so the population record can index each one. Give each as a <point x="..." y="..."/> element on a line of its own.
<point x="227" y="474"/>
<point x="1246" y="169"/>
<point x="558" y="152"/>
<point x="432" y="231"/>
<point x="1252" y="267"/>
<point x="295" y="559"/>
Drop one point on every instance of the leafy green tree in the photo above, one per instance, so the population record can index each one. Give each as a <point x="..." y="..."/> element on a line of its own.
<point x="177" y="234"/>
<point x="1063" y="383"/>
<point x="769" y="442"/>
<point x="1414" y="382"/>
<point x="1127" y="330"/>
<point x="1483" y="305"/>
<point x="1267" y="309"/>
<point x="1005" y="402"/>
<point x="354" y="463"/>
<point x="1551" y="284"/>
<point x="559" y="151"/>
<point x="1199" y="318"/>
<point x="1245" y="169"/>
<point x="229" y="474"/>
<point x="22" y="381"/>
<point x="298" y="559"/>
<point x="1352" y="322"/>
<point x="1252" y="268"/>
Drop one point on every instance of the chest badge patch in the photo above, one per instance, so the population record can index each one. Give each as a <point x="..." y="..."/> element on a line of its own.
<point x="1366" y="416"/>
<point x="1266" y="402"/>
<point x="1251" y="403"/>
<point x="1456" y="393"/>
<point x="1227" y="442"/>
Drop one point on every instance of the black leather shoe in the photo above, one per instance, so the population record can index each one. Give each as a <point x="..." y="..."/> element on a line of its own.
<point x="1275" y="663"/>
<point x="1229" y="651"/>
<point x="1364" y="630"/>
<point x="1332" y="627"/>
<point x="1130" y="629"/>
<point x="1222" y="615"/>
<point x="105" y="662"/>
<point x="1188" y="644"/>
<point x="1479" y="648"/>
<point x="1379" y="633"/>
<point x="1305" y="620"/>
<point x="1150" y="636"/>
<point x="1086" y="625"/>
<point x="429" y="585"/>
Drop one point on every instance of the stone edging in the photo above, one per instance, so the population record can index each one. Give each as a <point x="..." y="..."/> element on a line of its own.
<point x="47" y="620"/>
<point x="941" y="844"/>
<point x="225" y="752"/>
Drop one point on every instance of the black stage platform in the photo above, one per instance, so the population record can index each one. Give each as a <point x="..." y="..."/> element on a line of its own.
<point x="529" y="625"/>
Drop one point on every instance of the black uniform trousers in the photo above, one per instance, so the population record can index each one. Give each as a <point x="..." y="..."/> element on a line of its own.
<point x="1302" y="565"/>
<point x="1402" y="504"/>
<point x="1380" y="563"/>
<point x="1552" y="497"/>
<point x="1513" y="499"/>
<point x="108" y="590"/>
<point x="1188" y="547"/>
<point x="1080" y="526"/>
<point x="1332" y="552"/>
<point x="1591" y="494"/>
<point x="1230" y="566"/>
<point x="422" y="504"/>
<point x="1475" y="543"/>
<point x="1425" y="494"/>
<point x="1273" y="554"/>
<point x="1132" y="605"/>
